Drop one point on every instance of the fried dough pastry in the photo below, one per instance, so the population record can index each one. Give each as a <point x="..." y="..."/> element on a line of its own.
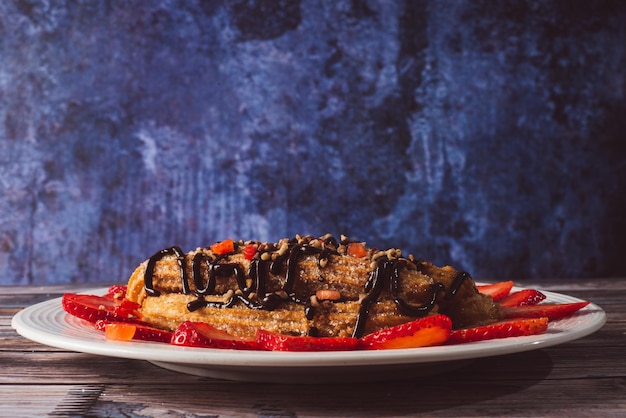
<point x="302" y="286"/>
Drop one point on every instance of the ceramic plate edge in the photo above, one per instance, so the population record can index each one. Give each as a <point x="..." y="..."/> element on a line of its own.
<point x="23" y="323"/>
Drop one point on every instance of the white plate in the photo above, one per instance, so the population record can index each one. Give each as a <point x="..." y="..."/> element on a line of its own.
<point x="47" y="323"/>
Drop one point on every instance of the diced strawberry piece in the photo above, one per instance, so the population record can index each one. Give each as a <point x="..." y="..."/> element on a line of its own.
<point x="279" y="342"/>
<point x="502" y="329"/>
<point x="120" y="331"/>
<point x="224" y="247"/>
<point x="422" y="332"/>
<point x="552" y="311"/>
<point x="93" y="308"/>
<point x="249" y="251"/>
<point x="356" y="249"/>
<point x="496" y="290"/>
<point x="136" y="330"/>
<point x="522" y="298"/>
<point x="200" y="334"/>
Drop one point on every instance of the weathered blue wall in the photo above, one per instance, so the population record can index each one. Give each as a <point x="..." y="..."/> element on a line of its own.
<point x="487" y="135"/>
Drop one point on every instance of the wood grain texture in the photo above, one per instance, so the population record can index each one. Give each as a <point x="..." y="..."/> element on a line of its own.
<point x="586" y="377"/>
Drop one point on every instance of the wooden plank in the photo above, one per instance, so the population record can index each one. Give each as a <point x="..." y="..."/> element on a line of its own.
<point x="63" y="367"/>
<point x="23" y="296"/>
<point x="476" y="397"/>
<point x="30" y="401"/>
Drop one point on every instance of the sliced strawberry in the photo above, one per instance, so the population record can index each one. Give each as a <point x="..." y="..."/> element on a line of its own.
<point x="522" y="298"/>
<point x="200" y="334"/>
<point x="422" y="332"/>
<point x="102" y="323"/>
<point x="93" y="308"/>
<point x="552" y="311"/>
<point x="279" y="342"/>
<point x="124" y="331"/>
<point x="496" y="290"/>
<point x="502" y="329"/>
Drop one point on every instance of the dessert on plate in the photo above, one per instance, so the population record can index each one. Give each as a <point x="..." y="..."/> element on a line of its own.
<point x="309" y="293"/>
<point x="302" y="286"/>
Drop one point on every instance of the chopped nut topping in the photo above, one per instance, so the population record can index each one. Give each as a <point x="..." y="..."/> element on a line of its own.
<point x="326" y="294"/>
<point x="228" y="295"/>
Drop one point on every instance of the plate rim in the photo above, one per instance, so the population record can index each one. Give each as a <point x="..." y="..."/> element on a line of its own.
<point x="26" y="324"/>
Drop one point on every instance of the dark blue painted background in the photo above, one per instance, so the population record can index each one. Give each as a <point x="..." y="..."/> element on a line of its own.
<point x="483" y="134"/>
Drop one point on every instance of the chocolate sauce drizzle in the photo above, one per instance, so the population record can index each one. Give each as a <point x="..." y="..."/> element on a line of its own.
<point x="252" y="285"/>
<point x="180" y="258"/>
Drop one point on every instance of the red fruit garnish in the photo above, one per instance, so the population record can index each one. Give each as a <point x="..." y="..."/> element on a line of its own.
<point x="356" y="249"/>
<point x="423" y="332"/>
<point x="117" y="291"/>
<point x="522" y="298"/>
<point x="552" y="311"/>
<point x="120" y="331"/>
<point x="225" y="247"/>
<point x="249" y="251"/>
<point x="93" y="308"/>
<point x="124" y="331"/>
<point x="496" y="290"/>
<point x="200" y="334"/>
<point x="279" y="342"/>
<point x="502" y="329"/>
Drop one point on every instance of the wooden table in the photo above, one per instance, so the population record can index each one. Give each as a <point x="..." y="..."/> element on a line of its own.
<point x="586" y="377"/>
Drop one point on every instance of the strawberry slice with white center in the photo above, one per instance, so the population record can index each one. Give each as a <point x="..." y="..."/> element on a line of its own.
<point x="273" y="341"/>
<point x="200" y="334"/>
<point x="502" y="329"/>
<point x="422" y="332"/>
<point x="93" y="308"/>
<point x="552" y="311"/>
<point x="522" y="298"/>
<point x="496" y="290"/>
